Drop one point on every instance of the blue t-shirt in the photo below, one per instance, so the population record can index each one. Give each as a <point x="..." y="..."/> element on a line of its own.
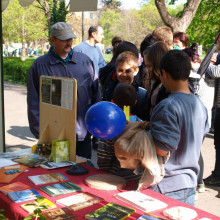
<point x="93" y="52"/>
<point x="180" y="123"/>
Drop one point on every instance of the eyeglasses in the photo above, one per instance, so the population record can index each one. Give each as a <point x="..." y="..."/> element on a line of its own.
<point x="65" y="41"/>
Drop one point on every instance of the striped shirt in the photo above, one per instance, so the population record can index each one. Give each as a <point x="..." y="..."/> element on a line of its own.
<point x="108" y="162"/>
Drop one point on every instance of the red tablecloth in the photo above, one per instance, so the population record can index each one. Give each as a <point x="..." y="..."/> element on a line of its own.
<point x="13" y="210"/>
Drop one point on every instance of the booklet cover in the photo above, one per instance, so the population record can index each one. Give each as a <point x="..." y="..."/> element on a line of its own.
<point x="47" y="178"/>
<point x="111" y="211"/>
<point x="61" y="188"/>
<point x="61" y="214"/>
<point x="24" y="195"/>
<point x="17" y="186"/>
<point x="7" y="178"/>
<point x="79" y="201"/>
<point x="33" y="160"/>
<point x="31" y="206"/>
<point x="60" y="151"/>
<point x="141" y="201"/>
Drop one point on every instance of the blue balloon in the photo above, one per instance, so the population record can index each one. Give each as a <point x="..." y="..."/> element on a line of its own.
<point x="105" y="120"/>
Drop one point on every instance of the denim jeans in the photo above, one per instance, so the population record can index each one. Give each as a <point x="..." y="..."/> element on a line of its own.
<point x="184" y="195"/>
<point x="217" y="141"/>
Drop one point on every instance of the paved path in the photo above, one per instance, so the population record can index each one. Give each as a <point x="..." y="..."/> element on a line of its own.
<point x="17" y="132"/>
<point x="18" y="136"/>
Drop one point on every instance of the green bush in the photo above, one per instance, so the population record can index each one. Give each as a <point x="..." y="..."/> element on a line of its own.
<point x="16" y="70"/>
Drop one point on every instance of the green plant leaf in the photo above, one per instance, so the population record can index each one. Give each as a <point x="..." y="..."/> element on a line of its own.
<point x="37" y="211"/>
<point x="29" y="217"/>
<point x="2" y="217"/>
<point x="43" y="206"/>
<point x="29" y="204"/>
<point x="40" y="199"/>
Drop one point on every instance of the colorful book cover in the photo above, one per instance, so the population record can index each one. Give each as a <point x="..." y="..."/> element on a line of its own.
<point x="47" y="178"/>
<point x="30" y="207"/>
<point x="13" y="187"/>
<point x="141" y="201"/>
<point x="60" y="151"/>
<point x="111" y="211"/>
<point x="61" y="188"/>
<point x="7" y="178"/>
<point x="31" y="160"/>
<point x="61" y="214"/>
<point x="24" y="195"/>
<point x="79" y="201"/>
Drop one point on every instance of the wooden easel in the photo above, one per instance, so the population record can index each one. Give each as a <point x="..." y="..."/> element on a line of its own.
<point x="57" y="115"/>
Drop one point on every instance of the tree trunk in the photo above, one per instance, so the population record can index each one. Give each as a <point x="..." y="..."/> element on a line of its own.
<point x="181" y="23"/>
<point x="43" y="48"/>
<point x="23" y="52"/>
<point x="43" y="5"/>
<point x="47" y="12"/>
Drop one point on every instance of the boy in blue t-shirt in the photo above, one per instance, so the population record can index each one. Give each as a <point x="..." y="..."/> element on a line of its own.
<point x="180" y="123"/>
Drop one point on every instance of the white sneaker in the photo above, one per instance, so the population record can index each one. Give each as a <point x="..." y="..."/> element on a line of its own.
<point x="201" y="188"/>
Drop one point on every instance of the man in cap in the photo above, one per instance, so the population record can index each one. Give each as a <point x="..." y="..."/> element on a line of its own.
<point x="61" y="61"/>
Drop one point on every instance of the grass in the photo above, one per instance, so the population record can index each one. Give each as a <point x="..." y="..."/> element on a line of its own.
<point x="107" y="57"/>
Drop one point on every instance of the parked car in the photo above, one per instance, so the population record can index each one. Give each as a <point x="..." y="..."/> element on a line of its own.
<point x="109" y="50"/>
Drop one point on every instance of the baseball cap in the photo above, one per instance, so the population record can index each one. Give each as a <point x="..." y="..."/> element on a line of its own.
<point x="62" y="31"/>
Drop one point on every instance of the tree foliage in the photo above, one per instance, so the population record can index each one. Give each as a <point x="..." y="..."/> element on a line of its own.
<point x="200" y="23"/>
<point x="54" y="11"/>
<point x="149" y="17"/>
<point x="58" y="12"/>
<point x="76" y="23"/>
<point x="111" y="4"/>
<point x="132" y="25"/>
<point x="108" y="19"/>
<point x="205" y="24"/>
<point x="20" y="23"/>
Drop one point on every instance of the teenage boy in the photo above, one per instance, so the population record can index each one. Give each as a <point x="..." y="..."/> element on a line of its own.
<point x="126" y="66"/>
<point x="180" y="123"/>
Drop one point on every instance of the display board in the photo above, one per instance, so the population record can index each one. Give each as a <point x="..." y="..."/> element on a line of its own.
<point x="58" y="103"/>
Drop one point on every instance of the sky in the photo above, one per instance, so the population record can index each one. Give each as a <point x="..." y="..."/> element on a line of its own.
<point x="130" y="4"/>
